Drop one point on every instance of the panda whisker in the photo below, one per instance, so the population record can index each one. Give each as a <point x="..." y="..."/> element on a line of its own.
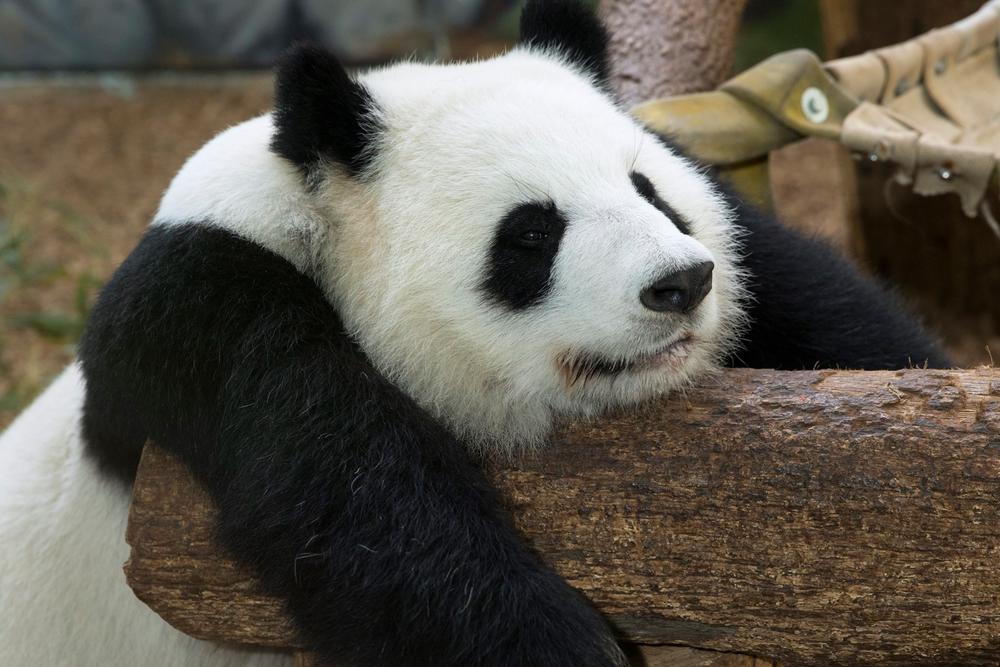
<point x="591" y="372"/>
<point x="563" y="366"/>
<point x="582" y="368"/>
<point x="528" y="191"/>
<point x="578" y="369"/>
<point x="637" y="148"/>
<point x="571" y="367"/>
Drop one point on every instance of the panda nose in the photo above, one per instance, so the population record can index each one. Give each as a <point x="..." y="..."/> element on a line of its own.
<point x="680" y="291"/>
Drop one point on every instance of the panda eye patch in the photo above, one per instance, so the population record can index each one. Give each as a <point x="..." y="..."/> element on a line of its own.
<point x="519" y="264"/>
<point x="645" y="189"/>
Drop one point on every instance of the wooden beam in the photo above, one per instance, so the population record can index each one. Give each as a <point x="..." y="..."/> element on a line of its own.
<point x="811" y="517"/>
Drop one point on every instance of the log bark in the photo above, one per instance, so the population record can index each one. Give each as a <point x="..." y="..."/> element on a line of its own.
<point x="661" y="48"/>
<point x="813" y="517"/>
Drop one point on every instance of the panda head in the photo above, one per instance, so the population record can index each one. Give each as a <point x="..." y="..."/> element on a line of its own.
<point x="504" y="240"/>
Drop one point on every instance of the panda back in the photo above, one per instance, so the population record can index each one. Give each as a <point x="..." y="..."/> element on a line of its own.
<point x="237" y="183"/>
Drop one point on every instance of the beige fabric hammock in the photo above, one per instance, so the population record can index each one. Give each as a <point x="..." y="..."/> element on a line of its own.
<point x="930" y="106"/>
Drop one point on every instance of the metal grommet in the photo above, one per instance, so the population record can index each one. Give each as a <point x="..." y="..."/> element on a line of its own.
<point x="941" y="66"/>
<point x="815" y="106"/>
<point x="945" y="174"/>
<point x="881" y="151"/>
<point x="901" y="87"/>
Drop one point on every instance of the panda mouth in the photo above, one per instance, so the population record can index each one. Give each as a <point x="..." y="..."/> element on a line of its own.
<point x="582" y="368"/>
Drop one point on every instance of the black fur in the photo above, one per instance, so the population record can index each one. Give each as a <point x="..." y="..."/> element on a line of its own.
<point x="811" y="308"/>
<point x="571" y="28"/>
<point x="320" y="113"/>
<point x="524" y="248"/>
<point x="368" y="518"/>
<point x="647" y="191"/>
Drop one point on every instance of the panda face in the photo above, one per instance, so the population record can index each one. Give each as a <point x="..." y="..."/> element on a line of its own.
<point x="506" y="243"/>
<point x="519" y="250"/>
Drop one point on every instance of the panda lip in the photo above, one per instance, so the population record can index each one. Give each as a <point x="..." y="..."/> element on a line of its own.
<point x="587" y="366"/>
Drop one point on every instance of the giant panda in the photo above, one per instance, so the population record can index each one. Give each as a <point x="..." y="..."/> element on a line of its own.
<point x="342" y="306"/>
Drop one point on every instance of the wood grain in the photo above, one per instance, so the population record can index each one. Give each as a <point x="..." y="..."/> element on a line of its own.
<point x="811" y="517"/>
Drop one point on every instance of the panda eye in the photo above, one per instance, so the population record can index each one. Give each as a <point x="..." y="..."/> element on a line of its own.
<point x="645" y="189"/>
<point x="533" y="237"/>
<point x="532" y="226"/>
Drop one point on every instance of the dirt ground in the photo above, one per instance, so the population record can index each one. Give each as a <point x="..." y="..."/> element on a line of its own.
<point x="82" y="168"/>
<point x="83" y="164"/>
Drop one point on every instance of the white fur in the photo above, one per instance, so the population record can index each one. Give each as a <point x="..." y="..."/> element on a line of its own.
<point x="63" y="597"/>
<point x="235" y="181"/>
<point x="401" y="255"/>
<point x="463" y="144"/>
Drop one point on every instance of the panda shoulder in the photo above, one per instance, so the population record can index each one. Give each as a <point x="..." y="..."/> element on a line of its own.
<point x="237" y="183"/>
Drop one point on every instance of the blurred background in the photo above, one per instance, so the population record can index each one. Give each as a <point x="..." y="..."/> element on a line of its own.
<point x="102" y="100"/>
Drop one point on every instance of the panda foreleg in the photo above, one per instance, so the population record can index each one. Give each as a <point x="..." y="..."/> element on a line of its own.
<point x="365" y="515"/>
<point x="810" y="307"/>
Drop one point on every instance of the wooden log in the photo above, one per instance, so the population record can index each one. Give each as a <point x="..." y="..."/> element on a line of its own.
<point x="813" y="517"/>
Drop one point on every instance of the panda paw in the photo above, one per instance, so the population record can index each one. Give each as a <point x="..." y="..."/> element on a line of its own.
<point x="567" y="634"/>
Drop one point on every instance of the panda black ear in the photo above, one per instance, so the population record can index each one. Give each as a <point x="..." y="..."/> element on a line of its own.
<point x="321" y="113"/>
<point x="571" y="28"/>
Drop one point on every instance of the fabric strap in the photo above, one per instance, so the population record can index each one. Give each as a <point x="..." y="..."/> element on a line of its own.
<point x="930" y="106"/>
